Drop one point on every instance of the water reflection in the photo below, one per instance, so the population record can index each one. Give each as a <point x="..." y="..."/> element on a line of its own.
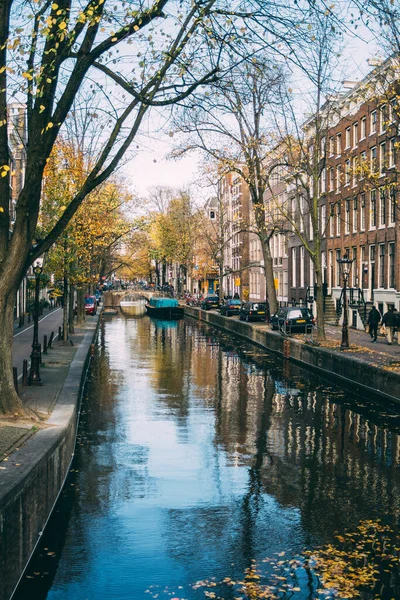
<point x="196" y="455"/>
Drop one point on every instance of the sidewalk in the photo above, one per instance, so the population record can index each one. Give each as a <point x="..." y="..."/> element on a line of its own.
<point x="379" y="354"/>
<point x="53" y="371"/>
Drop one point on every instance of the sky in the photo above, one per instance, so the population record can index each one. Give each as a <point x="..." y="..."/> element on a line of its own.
<point x="151" y="166"/>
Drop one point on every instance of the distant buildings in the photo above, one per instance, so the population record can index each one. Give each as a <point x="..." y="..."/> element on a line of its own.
<point x="358" y="195"/>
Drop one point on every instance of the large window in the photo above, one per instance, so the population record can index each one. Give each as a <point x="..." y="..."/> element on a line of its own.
<point x="382" y="207"/>
<point x="331" y="220"/>
<point x="383" y="118"/>
<point x="363" y="128"/>
<point x="338" y="218"/>
<point x="339" y="144"/>
<point x="338" y="177"/>
<point x="363" y="164"/>
<point x="374" y="118"/>
<point x="372" y="210"/>
<point x="354" y="171"/>
<point x="347" y="172"/>
<point x="362" y="212"/>
<point x="355" y="210"/>
<point x="355" y="134"/>
<point x="337" y="278"/>
<point x="373" y="159"/>
<point x="354" y="270"/>
<point x="302" y="266"/>
<point x="392" y="249"/>
<point x="322" y="224"/>
<point x="331" y="179"/>
<point x="347" y="217"/>
<point x="348" y="141"/>
<point x="381" y="282"/>
<point x="392" y="206"/>
<point x="392" y="153"/>
<point x="294" y="268"/>
<point x="382" y="158"/>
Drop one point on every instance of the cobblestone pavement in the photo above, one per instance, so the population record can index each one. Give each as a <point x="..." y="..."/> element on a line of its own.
<point x="39" y="399"/>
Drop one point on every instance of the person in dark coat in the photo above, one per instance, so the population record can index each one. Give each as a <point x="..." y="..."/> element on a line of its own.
<point x="374" y="318"/>
<point x="389" y="321"/>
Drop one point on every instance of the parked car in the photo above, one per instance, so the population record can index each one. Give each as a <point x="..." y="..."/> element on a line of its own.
<point x="230" y="307"/>
<point x="90" y="305"/>
<point x="253" y="311"/>
<point x="210" y="302"/>
<point x="293" y="319"/>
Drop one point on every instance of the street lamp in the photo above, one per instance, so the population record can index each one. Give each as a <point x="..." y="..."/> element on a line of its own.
<point x="345" y="268"/>
<point x="34" y="374"/>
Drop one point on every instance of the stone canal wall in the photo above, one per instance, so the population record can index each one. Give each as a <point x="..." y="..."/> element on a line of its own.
<point x="28" y="493"/>
<point x="341" y="366"/>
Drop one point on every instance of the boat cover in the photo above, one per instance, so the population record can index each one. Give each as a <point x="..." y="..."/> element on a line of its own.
<point x="163" y="302"/>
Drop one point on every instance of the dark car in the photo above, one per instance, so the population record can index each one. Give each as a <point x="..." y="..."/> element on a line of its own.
<point x="230" y="307"/>
<point x="210" y="302"/>
<point x="253" y="311"/>
<point x="90" y="305"/>
<point x="293" y="319"/>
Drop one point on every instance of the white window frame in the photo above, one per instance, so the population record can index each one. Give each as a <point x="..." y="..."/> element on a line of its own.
<point x="301" y="282"/>
<point x="347" y="138"/>
<point x="355" y="134"/>
<point x="294" y="266"/>
<point x="338" y="144"/>
<point x="363" y="131"/>
<point x="362" y="212"/>
<point x="372" y="194"/>
<point x="373" y="122"/>
<point x="347" y="216"/>
<point x="355" y="214"/>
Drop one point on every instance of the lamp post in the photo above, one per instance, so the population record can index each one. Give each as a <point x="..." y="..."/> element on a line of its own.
<point x="34" y="374"/>
<point x="345" y="267"/>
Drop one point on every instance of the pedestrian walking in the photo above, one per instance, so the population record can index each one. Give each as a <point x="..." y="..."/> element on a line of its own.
<point x="389" y="321"/>
<point x="374" y="318"/>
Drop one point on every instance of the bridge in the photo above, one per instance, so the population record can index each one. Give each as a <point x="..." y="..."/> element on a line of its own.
<point x="112" y="299"/>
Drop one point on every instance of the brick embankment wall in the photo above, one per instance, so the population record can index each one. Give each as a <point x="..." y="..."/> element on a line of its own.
<point x="340" y="366"/>
<point x="29" y="491"/>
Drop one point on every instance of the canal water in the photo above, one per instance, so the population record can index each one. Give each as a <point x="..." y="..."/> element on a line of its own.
<point x="203" y="462"/>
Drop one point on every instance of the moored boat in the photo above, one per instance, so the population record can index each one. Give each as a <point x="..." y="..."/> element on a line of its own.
<point x="164" y="308"/>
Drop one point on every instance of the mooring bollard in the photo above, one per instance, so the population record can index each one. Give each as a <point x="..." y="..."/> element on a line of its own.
<point x="50" y="340"/>
<point x="25" y="372"/>
<point x="91" y="350"/>
<point x="59" y="333"/>
<point x="45" y="344"/>
<point x="29" y="317"/>
<point x="15" y="376"/>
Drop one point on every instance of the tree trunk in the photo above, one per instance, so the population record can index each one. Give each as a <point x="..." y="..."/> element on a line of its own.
<point x="80" y="303"/>
<point x="71" y="311"/>
<point x="269" y="277"/>
<point x="320" y="304"/>
<point x="65" y="310"/>
<point x="9" y="401"/>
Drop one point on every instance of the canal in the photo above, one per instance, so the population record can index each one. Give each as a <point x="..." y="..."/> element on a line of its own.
<point x="203" y="462"/>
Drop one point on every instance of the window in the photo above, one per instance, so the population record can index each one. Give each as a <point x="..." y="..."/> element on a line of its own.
<point x="382" y="158"/>
<point x="302" y="266"/>
<point x="338" y="177"/>
<point x="293" y="213"/>
<point x="331" y="145"/>
<point x="311" y="229"/>
<point x="323" y="220"/>
<point x="302" y="211"/>
<point x="381" y="282"/>
<point x="212" y="215"/>
<point x="337" y="278"/>
<point x="347" y="217"/>
<point x="331" y="219"/>
<point x="373" y="156"/>
<point x="392" y="153"/>
<point x="323" y="181"/>
<point x="354" y="276"/>
<point x="331" y="179"/>
<point x="338" y="144"/>
<point x="347" y="137"/>
<point x="354" y="171"/>
<point x="338" y="219"/>
<point x="362" y="212"/>
<point x="391" y="272"/>
<point x="382" y="207"/>
<point x="372" y="210"/>
<point x="347" y="172"/>
<point x="392" y="206"/>
<point x="362" y="261"/>
<point x="312" y="278"/>
<point x="355" y="208"/>
<point x="363" y="128"/>
<point x="355" y="134"/>
<point x="323" y="145"/>
<point x="393" y="110"/>
<point x="363" y="164"/>
<point x="383" y="117"/>
<point x="294" y="267"/>
<point x="374" y="117"/>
